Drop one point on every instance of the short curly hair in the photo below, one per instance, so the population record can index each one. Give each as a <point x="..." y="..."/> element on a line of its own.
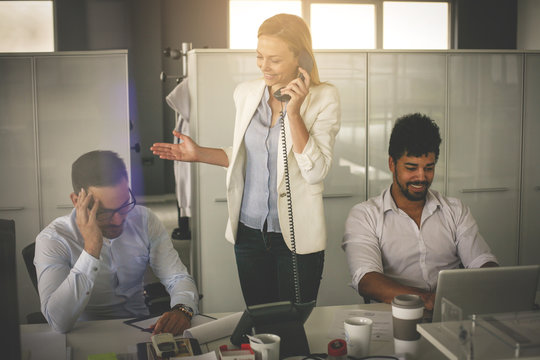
<point x="414" y="135"/>
<point x="97" y="168"/>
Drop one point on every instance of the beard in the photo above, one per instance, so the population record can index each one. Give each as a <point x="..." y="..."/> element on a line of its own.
<point x="112" y="231"/>
<point x="413" y="196"/>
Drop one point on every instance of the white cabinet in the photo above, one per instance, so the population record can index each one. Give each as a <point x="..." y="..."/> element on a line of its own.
<point x="529" y="245"/>
<point x="477" y="100"/>
<point x="53" y="108"/>
<point x="213" y="76"/>
<point x="399" y="84"/>
<point x="19" y="184"/>
<point x="484" y="141"/>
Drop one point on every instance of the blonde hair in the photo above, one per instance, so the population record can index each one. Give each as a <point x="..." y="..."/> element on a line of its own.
<point x="295" y="32"/>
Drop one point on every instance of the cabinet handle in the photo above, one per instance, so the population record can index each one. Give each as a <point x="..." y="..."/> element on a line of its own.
<point x="64" y="206"/>
<point x="12" y="208"/>
<point x="329" y="196"/>
<point x="337" y="196"/>
<point x="497" y="189"/>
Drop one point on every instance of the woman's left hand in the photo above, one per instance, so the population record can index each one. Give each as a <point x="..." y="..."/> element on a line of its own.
<point x="297" y="90"/>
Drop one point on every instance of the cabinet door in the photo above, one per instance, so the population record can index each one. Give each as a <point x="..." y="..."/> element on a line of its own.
<point x="401" y="84"/>
<point x="485" y="144"/>
<point x="18" y="193"/>
<point x="215" y="75"/>
<point x="529" y="251"/>
<point x="345" y="184"/>
<point x="82" y="105"/>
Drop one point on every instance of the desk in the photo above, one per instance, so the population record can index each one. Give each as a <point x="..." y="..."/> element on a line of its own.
<point x="103" y="336"/>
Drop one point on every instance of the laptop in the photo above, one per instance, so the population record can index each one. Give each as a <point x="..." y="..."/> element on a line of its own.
<point x="487" y="290"/>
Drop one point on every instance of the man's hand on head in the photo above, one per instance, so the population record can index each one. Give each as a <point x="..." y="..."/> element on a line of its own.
<point x="174" y="322"/>
<point x="87" y="223"/>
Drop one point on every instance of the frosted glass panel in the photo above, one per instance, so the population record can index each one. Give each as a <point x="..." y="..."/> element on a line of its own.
<point x="245" y="17"/>
<point x="401" y="84"/>
<point x="415" y="25"/>
<point x="529" y="252"/>
<point x="343" y="26"/>
<point x="485" y="144"/>
<point x="26" y="26"/>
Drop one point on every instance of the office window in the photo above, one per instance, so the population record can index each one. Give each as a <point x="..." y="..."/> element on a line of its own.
<point x="349" y="24"/>
<point x="26" y="26"/>
<point x="415" y="25"/>
<point x="245" y="17"/>
<point x="343" y="26"/>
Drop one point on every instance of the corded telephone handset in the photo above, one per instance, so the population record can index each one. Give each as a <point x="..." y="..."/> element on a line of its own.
<point x="305" y="62"/>
<point x="285" y="319"/>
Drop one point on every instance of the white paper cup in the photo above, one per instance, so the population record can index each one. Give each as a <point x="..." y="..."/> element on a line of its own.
<point x="269" y="349"/>
<point x="358" y="335"/>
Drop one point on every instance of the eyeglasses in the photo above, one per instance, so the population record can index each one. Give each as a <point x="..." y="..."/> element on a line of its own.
<point x="106" y="215"/>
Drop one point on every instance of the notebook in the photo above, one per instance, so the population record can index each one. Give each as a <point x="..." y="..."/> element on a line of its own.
<point x="487" y="290"/>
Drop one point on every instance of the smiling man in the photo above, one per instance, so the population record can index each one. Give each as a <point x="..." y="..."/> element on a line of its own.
<point x="90" y="264"/>
<point x="396" y="243"/>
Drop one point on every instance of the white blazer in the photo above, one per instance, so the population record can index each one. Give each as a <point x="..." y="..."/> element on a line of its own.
<point x="321" y="114"/>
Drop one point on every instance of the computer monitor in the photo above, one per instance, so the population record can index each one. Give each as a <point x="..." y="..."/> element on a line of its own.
<point x="487" y="290"/>
<point x="10" y="342"/>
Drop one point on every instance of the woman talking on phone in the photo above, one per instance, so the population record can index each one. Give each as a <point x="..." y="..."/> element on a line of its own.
<point x="259" y="222"/>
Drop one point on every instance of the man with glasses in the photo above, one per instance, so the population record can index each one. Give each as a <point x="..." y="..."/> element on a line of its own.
<point x="90" y="264"/>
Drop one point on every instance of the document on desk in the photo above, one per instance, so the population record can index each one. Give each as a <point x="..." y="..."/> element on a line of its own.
<point x="215" y="329"/>
<point x="382" y="324"/>
<point x="55" y="343"/>
<point x="145" y="323"/>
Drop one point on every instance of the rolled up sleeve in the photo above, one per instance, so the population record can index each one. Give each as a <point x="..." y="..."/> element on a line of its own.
<point x="361" y="244"/>
<point x="168" y="267"/>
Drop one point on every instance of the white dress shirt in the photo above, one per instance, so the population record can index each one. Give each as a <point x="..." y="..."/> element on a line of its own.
<point x="380" y="237"/>
<point x="75" y="285"/>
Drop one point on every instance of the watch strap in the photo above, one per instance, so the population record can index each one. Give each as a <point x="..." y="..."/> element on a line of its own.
<point x="185" y="309"/>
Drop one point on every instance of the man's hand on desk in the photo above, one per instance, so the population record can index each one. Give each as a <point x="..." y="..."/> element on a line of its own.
<point x="174" y="322"/>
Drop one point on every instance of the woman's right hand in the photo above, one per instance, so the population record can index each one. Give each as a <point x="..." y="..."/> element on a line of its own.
<point x="186" y="150"/>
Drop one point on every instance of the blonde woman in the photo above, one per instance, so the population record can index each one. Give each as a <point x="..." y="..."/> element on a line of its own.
<point x="259" y="224"/>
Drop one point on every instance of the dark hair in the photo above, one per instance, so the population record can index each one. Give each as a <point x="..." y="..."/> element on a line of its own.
<point x="97" y="168"/>
<point x="414" y="135"/>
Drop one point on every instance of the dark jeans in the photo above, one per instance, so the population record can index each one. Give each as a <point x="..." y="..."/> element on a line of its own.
<point x="265" y="268"/>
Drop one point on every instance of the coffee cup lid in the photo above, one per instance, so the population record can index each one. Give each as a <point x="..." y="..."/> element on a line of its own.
<point x="408" y="301"/>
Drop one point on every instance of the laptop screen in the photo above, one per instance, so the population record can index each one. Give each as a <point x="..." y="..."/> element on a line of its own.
<point x="9" y="313"/>
<point x="487" y="290"/>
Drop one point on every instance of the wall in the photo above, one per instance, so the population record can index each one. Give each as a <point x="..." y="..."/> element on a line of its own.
<point x="191" y="22"/>
<point x="485" y="24"/>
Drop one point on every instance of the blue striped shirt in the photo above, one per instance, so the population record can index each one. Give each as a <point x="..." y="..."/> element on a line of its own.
<point x="259" y="202"/>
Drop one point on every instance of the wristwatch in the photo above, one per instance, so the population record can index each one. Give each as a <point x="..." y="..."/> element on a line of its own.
<point x="185" y="309"/>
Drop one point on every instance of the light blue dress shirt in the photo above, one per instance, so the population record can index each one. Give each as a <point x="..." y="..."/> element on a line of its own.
<point x="74" y="285"/>
<point x="259" y="202"/>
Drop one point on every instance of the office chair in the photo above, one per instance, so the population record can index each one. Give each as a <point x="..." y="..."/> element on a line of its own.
<point x="28" y="256"/>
